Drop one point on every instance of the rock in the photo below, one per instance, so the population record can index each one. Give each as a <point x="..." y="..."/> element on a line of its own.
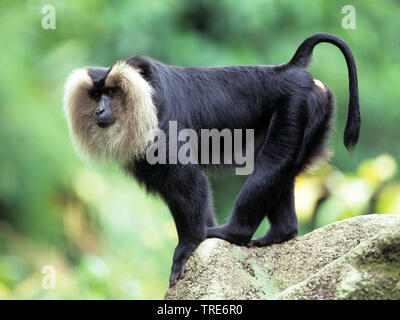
<point x="357" y="258"/>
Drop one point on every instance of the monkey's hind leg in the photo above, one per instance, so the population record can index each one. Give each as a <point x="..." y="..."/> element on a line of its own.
<point x="282" y="218"/>
<point x="274" y="165"/>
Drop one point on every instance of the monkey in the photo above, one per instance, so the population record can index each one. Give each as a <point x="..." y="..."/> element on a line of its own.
<point x="112" y="112"/>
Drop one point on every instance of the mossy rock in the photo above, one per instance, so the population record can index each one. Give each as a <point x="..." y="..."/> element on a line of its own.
<point x="357" y="258"/>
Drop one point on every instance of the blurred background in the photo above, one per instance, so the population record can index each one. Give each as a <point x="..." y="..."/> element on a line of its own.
<point x="104" y="236"/>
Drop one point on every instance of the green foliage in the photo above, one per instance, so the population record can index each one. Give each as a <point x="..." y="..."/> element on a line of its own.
<point x="105" y="237"/>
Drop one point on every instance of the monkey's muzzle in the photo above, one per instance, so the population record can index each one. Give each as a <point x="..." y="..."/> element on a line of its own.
<point x="104" y="115"/>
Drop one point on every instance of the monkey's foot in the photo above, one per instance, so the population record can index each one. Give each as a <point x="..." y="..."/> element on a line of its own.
<point x="181" y="255"/>
<point x="226" y="234"/>
<point x="177" y="273"/>
<point x="272" y="237"/>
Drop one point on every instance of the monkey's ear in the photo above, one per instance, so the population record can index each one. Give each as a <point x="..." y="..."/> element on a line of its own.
<point x="143" y="64"/>
<point x="98" y="76"/>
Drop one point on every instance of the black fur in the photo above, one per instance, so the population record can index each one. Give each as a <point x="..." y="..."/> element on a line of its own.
<point x="291" y="117"/>
<point x="98" y="76"/>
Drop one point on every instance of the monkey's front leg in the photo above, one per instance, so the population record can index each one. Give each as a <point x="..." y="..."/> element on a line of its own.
<point x="186" y="191"/>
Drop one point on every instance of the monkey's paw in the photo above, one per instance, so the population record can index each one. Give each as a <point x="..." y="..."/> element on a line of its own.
<point x="225" y="233"/>
<point x="272" y="237"/>
<point x="181" y="255"/>
<point x="177" y="273"/>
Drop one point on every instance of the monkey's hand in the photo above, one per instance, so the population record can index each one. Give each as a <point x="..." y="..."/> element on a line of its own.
<point x="181" y="255"/>
<point x="227" y="233"/>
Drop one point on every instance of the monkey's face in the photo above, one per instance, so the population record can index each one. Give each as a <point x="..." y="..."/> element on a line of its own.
<point x="104" y="114"/>
<point x="110" y="112"/>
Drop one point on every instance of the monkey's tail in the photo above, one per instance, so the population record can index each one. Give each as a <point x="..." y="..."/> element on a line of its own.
<point x="302" y="58"/>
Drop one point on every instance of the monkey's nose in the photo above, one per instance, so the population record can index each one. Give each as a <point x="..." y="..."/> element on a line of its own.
<point x="103" y="117"/>
<point x="99" y="111"/>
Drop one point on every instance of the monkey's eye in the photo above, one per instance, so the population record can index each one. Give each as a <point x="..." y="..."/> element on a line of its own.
<point x="94" y="94"/>
<point x="110" y="91"/>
